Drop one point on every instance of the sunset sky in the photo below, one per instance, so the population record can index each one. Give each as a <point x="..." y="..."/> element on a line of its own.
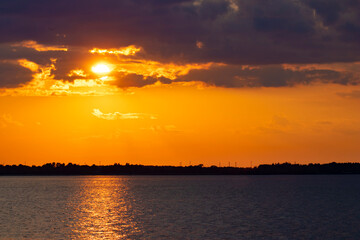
<point x="164" y="82"/>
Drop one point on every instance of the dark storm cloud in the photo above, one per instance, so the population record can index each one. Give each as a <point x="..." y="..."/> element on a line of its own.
<point x="233" y="31"/>
<point x="11" y="75"/>
<point x="267" y="76"/>
<point x="124" y="80"/>
<point x="9" y="52"/>
<point x="14" y="74"/>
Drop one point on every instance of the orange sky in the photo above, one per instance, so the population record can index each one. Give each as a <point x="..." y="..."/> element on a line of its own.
<point x="175" y="123"/>
<point x="179" y="81"/>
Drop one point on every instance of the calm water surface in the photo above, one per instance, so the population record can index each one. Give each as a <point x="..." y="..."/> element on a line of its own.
<point x="180" y="207"/>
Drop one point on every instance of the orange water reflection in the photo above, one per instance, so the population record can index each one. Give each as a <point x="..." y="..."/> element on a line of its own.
<point x="103" y="209"/>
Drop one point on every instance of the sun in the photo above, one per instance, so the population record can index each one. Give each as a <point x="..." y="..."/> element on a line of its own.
<point x="100" y="68"/>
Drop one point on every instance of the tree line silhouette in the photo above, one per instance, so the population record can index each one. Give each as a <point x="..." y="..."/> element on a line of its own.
<point x="131" y="169"/>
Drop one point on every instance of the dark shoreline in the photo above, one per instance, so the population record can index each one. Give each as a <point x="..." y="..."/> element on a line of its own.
<point x="58" y="169"/>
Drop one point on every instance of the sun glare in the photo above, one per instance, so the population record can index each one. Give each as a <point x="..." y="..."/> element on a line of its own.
<point x="101" y="69"/>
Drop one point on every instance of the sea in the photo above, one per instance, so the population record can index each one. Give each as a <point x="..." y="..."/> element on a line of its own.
<point x="180" y="207"/>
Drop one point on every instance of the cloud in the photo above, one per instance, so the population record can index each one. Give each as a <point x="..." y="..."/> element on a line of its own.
<point x="280" y="121"/>
<point x="181" y="41"/>
<point x="233" y="76"/>
<point x="39" y="47"/>
<point x="7" y="120"/>
<point x="163" y="129"/>
<point x="353" y="94"/>
<point x="121" y="116"/>
<point x="124" y="80"/>
<point x="127" y="51"/>
<point x="236" y="31"/>
<point x="12" y="74"/>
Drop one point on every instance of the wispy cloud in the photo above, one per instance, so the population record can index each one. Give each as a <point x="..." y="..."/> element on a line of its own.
<point x="353" y="94"/>
<point x="7" y="120"/>
<point x="164" y="129"/>
<point x="120" y="116"/>
<point x="39" y="47"/>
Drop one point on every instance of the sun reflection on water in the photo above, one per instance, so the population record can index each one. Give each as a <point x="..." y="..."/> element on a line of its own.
<point x="103" y="210"/>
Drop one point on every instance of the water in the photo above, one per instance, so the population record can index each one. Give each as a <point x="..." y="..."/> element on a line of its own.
<point x="180" y="207"/>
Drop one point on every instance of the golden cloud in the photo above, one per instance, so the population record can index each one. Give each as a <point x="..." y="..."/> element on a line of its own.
<point x="126" y="51"/>
<point x="39" y="47"/>
<point x="77" y="73"/>
<point x="28" y="64"/>
<point x="118" y="115"/>
<point x="45" y="84"/>
<point x="149" y="68"/>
